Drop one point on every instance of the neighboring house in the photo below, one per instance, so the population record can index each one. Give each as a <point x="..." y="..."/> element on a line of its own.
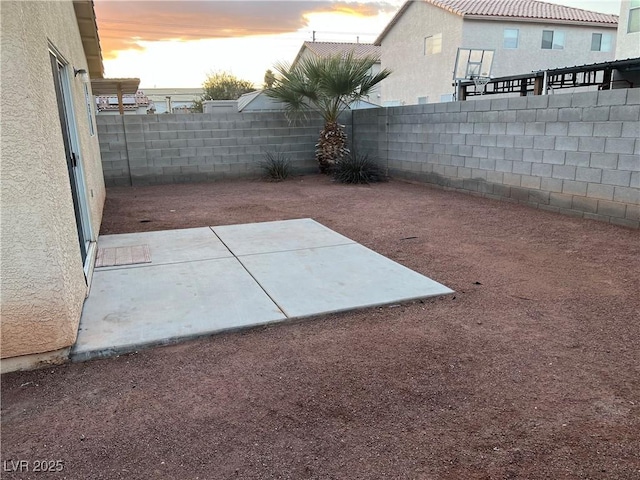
<point x="173" y="100"/>
<point x="220" y="106"/>
<point x="421" y="42"/>
<point x="359" y="50"/>
<point x="137" y="103"/>
<point x="628" y="42"/>
<point x="151" y="100"/>
<point x="249" y="102"/>
<point x="52" y="191"/>
<point x="258" y="101"/>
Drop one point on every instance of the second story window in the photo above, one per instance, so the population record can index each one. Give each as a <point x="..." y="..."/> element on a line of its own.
<point x="433" y="44"/>
<point x="600" y="42"/>
<point x="510" y="38"/>
<point x="634" y="17"/>
<point x="552" y="40"/>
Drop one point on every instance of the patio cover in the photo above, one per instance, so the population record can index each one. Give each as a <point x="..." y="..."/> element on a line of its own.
<point x="115" y="86"/>
<point x="86" y="18"/>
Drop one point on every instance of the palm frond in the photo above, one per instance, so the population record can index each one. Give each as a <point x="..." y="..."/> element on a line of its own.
<point x="372" y="81"/>
<point x="327" y="85"/>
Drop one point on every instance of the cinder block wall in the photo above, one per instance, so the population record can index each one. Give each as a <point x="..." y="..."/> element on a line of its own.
<point x="155" y="149"/>
<point x="577" y="154"/>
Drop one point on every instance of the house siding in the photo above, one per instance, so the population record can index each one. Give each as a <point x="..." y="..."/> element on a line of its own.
<point x="43" y="285"/>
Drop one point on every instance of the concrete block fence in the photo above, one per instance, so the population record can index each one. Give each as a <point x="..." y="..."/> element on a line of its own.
<point x="156" y="149"/>
<point x="577" y="154"/>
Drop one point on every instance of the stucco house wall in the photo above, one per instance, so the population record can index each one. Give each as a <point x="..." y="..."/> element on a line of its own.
<point x="305" y="53"/>
<point x="628" y="42"/>
<point x="529" y="56"/>
<point x="43" y="283"/>
<point x="417" y="75"/>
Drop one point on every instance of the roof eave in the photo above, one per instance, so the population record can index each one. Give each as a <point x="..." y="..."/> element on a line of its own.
<point x="392" y="23"/>
<point x="580" y="23"/>
<point x="406" y="5"/>
<point x="299" y="56"/>
<point x="88" y="27"/>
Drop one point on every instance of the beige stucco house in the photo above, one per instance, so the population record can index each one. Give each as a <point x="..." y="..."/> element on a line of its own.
<point x="52" y="189"/>
<point x="359" y="50"/>
<point x="628" y="42"/>
<point x="421" y="42"/>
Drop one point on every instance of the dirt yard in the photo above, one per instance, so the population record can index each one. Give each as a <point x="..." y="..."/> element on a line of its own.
<point x="531" y="371"/>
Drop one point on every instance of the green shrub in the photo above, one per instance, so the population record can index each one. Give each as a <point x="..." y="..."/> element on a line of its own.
<point x="276" y="166"/>
<point x="354" y="168"/>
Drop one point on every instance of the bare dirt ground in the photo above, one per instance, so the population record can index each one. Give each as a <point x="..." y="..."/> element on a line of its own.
<point x="532" y="369"/>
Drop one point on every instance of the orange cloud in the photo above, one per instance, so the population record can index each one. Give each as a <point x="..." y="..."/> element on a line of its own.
<point x="357" y="9"/>
<point x="122" y="24"/>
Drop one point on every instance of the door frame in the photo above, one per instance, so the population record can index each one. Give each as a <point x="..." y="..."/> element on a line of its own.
<point x="78" y="179"/>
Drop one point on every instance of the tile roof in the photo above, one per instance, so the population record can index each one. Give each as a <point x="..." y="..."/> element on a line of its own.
<point x="323" y="49"/>
<point x="532" y="9"/>
<point x="514" y="10"/>
<point x="332" y="48"/>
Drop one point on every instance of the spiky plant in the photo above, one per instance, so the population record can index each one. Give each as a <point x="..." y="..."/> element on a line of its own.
<point x="327" y="85"/>
<point x="276" y="166"/>
<point x="355" y="168"/>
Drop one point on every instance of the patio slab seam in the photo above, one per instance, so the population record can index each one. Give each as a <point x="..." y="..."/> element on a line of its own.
<point x="291" y="250"/>
<point x="252" y="276"/>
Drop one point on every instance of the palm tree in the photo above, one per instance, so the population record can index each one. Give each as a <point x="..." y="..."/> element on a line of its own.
<point x="327" y="85"/>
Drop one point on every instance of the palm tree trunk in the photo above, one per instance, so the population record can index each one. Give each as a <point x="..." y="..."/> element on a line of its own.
<point x="331" y="146"/>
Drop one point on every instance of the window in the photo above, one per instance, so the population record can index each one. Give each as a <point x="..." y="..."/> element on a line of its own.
<point x="600" y="42"/>
<point x="423" y="100"/>
<point x="634" y="17"/>
<point x="510" y="38"/>
<point x="552" y="40"/>
<point x="433" y="44"/>
<point x="448" y="97"/>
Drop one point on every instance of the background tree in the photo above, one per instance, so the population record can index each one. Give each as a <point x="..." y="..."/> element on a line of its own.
<point x="225" y="86"/>
<point x="327" y="85"/>
<point x="269" y="79"/>
<point x="197" y="106"/>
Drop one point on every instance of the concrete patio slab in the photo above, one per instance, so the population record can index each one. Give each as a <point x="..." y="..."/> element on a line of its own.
<point x="266" y="237"/>
<point x="331" y="279"/>
<point x="264" y="272"/>
<point x="171" y="246"/>
<point x="133" y="307"/>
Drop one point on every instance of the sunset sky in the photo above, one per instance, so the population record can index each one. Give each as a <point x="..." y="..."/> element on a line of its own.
<point x="176" y="43"/>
